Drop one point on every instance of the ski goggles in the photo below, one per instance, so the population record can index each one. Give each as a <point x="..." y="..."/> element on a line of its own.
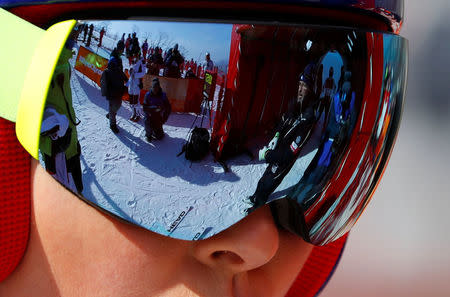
<point x="300" y="118"/>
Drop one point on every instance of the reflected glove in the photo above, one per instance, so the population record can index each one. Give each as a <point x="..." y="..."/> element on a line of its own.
<point x="271" y="146"/>
<point x="262" y="153"/>
<point x="54" y="125"/>
<point x="273" y="143"/>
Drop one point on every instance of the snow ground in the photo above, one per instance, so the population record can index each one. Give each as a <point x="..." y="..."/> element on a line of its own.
<point x="147" y="184"/>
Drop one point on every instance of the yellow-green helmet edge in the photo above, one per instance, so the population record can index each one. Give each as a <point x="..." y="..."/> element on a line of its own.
<point x="36" y="84"/>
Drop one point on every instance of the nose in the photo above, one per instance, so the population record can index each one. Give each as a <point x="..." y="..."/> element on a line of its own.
<point x="244" y="246"/>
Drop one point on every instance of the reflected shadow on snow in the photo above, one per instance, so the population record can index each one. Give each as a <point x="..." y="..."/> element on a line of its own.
<point x="160" y="157"/>
<point x="88" y="192"/>
<point x="91" y="92"/>
<point x="187" y="120"/>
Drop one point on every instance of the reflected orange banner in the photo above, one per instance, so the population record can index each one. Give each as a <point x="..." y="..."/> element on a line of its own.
<point x="90" y="64"/>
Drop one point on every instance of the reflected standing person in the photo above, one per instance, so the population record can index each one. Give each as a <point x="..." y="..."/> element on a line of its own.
<point x="59" y="144"/>
<point x="155" y="62"/>
<point x="329" y="88"/>
<point x="113" y="88"/>
<point x="172" y="62"/>
<point x="102" y="32"/>
<point x="117" y="53"/>
<point x="208" y="64"/>
<point x="144" y="50"/>
<point x="85" y="30"/>
<point x="134" y="84"/>
<point x="91" y="30"/>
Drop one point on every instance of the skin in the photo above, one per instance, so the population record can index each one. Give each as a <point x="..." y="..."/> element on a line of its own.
<point x="302" y="90"/>
<point x="76" y="250"/>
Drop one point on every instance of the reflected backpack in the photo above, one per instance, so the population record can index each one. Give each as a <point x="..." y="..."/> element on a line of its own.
<point x="197" y="146"/>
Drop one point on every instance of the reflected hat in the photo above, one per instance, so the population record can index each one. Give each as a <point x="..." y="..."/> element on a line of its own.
<point x="307" y="75"/>
<point x="113" y="63"/>
<point x="155" y="82"/>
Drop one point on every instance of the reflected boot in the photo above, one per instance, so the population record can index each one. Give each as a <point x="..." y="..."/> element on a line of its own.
<point x="256" y="203"/>
<point x="135" y="117"/>
<point x="251" y="209"/>
<point x="250" y="203"/>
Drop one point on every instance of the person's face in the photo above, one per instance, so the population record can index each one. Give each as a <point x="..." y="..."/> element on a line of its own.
<point x="302" y="91"/>
<point x="77" y="250"/>
<point x="156" y="88"/>
<point x="207" y="57"/>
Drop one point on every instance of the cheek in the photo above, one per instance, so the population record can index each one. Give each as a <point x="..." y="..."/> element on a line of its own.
<point x="89" y="251"/>
<point x="283" y="269"/>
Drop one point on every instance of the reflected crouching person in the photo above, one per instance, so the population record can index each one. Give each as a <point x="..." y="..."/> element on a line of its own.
<point x="113" y="87"/>
<point x="157" y="109"/>
<point x="59" y="144"/>
<point x="190" y="73"/>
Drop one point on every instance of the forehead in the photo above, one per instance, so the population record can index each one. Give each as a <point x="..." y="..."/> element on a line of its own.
<point x="302" y="84"/>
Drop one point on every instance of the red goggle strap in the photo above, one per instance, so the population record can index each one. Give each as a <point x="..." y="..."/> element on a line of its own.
<point x="15" y="199"/>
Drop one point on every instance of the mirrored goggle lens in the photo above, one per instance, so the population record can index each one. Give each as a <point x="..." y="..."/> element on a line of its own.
<point x="186" y="128"/>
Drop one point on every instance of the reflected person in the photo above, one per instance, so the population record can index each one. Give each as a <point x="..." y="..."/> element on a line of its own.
<point x="282" y="151"/>
<point x="333" y="140"/>
<point x="59" y="133"/>
<point x="157" y="109"/>
<point x="112" y="86"/>
<point x="329" y="88"/>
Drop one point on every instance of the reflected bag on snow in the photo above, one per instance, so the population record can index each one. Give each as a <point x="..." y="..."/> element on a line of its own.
<point x="198" y="145"/>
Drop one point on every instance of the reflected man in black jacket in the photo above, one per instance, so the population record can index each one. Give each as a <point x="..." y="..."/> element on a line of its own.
<point x="282" y="151"/>
<point x="112" y="86"/>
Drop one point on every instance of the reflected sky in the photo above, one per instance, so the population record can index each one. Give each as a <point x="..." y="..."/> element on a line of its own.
<point x="332" y="59"/>
<point x="196" y="38"/>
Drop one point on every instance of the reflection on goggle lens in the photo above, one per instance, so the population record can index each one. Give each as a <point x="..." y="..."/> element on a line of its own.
<point x="186" y="128"/>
